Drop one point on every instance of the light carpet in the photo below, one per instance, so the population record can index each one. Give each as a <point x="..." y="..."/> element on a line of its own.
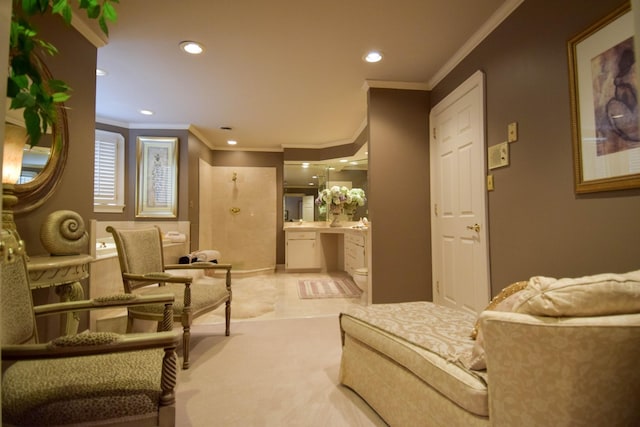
<point x="281" y="372"/>
<point x="251" y="297"/>
<point x="327" y="288"/>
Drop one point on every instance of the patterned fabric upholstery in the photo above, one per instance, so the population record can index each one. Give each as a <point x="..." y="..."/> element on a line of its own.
<point x="18" y="322"/>
<point x="141" y="258"/>
<point x="202" y="296"/>
<point x="86" y="379"/>
<point x="55" y="391"/>
<point x="427" y="339"/>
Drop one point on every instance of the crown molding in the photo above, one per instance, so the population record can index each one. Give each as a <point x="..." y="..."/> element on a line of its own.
<point x="491" y="24"/>
<point x="383" y="84"/>
<point x="89" y="29"/>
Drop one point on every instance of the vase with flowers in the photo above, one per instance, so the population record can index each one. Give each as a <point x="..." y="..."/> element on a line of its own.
<point x="355" y="199"/>
<point x="339" y="199"/>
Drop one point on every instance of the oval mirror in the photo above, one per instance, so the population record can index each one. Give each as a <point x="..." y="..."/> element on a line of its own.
<point x="41" y="174"/>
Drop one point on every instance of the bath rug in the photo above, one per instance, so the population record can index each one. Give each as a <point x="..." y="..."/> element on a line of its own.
<point x="327" y="288"/>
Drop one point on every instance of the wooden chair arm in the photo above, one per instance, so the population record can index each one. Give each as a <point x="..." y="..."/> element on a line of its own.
<point x="129" y="342"/>
<point x="204" y="265"/>
<point x="113" y="301"/>
<point x="198" y="265"/>
<point x="157" y="277"/>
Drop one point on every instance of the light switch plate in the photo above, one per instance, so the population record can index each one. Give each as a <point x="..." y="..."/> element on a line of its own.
<point x="498" y="155"/>
<point x="490" y="183"/>
<point x="512" y="132"/>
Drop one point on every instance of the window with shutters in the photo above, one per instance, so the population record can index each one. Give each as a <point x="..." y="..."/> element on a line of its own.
<point x="108" y="172"/>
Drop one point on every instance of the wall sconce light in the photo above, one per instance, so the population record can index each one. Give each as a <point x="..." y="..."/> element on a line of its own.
<point x="15" y="138"/>
<point x="234" y="178"/>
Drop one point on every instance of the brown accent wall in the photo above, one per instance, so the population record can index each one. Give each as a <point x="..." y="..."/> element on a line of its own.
<point x="75" y="190"/>
<point x="538" y="225"/>
<point x="399" y="195"/>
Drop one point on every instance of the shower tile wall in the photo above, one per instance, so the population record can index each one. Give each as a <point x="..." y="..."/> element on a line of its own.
<point x="246" y="239"/>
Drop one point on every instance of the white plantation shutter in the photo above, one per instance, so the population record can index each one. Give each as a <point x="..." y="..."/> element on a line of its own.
<point x="108" y="173"/>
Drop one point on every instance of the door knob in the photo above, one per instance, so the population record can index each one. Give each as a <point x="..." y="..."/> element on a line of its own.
<point x="474" y="227"/>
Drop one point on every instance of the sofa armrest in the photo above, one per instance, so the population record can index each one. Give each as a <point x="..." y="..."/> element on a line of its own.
<point x="562" y="371"/>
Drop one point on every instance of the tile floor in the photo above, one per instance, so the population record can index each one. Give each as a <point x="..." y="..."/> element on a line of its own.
<point x="287" y="304"/>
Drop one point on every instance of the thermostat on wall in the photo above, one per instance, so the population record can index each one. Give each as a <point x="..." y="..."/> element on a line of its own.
<point x="498" y="155"/>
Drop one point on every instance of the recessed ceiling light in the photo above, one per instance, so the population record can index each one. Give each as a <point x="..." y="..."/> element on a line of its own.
<point x="100" y="72"/>
<point x="232" y="142"/>
<point x="305" y="165"/>
<point x="373" y="57"/>
<point x="343" y="160"/>
<point x="146" y="112"/>
<point x="194" y="48"/>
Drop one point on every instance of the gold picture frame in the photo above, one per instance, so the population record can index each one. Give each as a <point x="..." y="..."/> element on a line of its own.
<point x="157" y="177"/>
<point x="604" y="110"/>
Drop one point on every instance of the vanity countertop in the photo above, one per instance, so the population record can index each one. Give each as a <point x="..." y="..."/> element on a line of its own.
<point x="324" y="227"/>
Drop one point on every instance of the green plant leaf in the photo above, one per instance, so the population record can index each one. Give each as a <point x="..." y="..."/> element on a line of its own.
<point x="93" y="11"/>
<point x="21" y="81"/>
<point x="103" y="25"/>
<point x="23" y="100"/>
<point x="32" y="123"/>
<point x="58" y="85"/>
<point x="60" y="96"/>
<point x="62" y="8"/>
<point x="109" y="12"/>
<point x="12" y="88"/>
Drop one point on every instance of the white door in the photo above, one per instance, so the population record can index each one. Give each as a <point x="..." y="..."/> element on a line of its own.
<point x="308" y="207"/>
<point x="458" y="199"/>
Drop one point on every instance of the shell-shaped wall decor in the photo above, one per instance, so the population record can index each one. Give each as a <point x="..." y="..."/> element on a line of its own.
<point x="63" y="233"/>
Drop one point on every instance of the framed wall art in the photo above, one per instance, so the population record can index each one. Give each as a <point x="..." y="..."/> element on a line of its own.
<point x="604" y="105"/>
<point x="157" y="177"/>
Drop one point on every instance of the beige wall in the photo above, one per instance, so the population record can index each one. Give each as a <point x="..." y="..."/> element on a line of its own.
<point x="258" y="159"/>
<point x="246" y="238"/>
<point x="538" y="225"/>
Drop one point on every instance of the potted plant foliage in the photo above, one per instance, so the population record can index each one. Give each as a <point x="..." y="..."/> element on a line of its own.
<point x="27" y="88"/>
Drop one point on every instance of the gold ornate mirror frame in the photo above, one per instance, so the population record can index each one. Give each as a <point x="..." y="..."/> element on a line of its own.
<point x="34" y="193"/>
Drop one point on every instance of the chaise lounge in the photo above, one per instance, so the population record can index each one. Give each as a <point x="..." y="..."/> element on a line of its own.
<point x="547" y="352"/>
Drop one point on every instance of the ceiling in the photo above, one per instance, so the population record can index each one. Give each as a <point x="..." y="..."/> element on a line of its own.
<point x="280" y="73"/>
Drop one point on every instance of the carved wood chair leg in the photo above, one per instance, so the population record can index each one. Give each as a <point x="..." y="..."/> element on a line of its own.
<point x="186" y="339"/>
<point x="129" y="323"/>
<point x="227" y="318"/>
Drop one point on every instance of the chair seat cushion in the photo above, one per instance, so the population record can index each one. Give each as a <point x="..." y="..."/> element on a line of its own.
<point x="206" y="294"/>
<point x="82" y="389"/>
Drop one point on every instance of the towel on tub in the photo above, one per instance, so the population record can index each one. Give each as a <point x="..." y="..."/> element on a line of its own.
<point x="207" y="255"/>
<point x="204" y="255"/>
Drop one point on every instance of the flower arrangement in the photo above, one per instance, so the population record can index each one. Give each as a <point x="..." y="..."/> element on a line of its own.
<point x="355" y="198"/>
<point x="336" y="199"/>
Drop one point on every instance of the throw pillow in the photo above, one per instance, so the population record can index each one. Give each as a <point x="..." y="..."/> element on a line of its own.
<point x="499" y="303"/>
<point x="476" y="360"/>
<point x="598" y="295"/>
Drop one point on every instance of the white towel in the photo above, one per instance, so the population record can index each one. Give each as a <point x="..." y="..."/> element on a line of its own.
<point x="207" y="255"/>
<point x="175" y="237"/>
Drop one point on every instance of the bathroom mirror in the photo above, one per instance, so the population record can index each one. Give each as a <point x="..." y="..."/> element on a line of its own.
<point x="43" y="163"/>
<point x="304" y="180"/>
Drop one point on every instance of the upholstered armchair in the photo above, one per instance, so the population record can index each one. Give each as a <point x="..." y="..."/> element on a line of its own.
<point x="141" y="257"/>
<point x="91" y="378"/>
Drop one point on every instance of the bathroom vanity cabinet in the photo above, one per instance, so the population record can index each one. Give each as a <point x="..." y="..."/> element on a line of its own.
<point x="314" y="246"/>
<point x="302" y="251"/>
<point x="318" y="247"/>
<point x="354" y="252"/>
